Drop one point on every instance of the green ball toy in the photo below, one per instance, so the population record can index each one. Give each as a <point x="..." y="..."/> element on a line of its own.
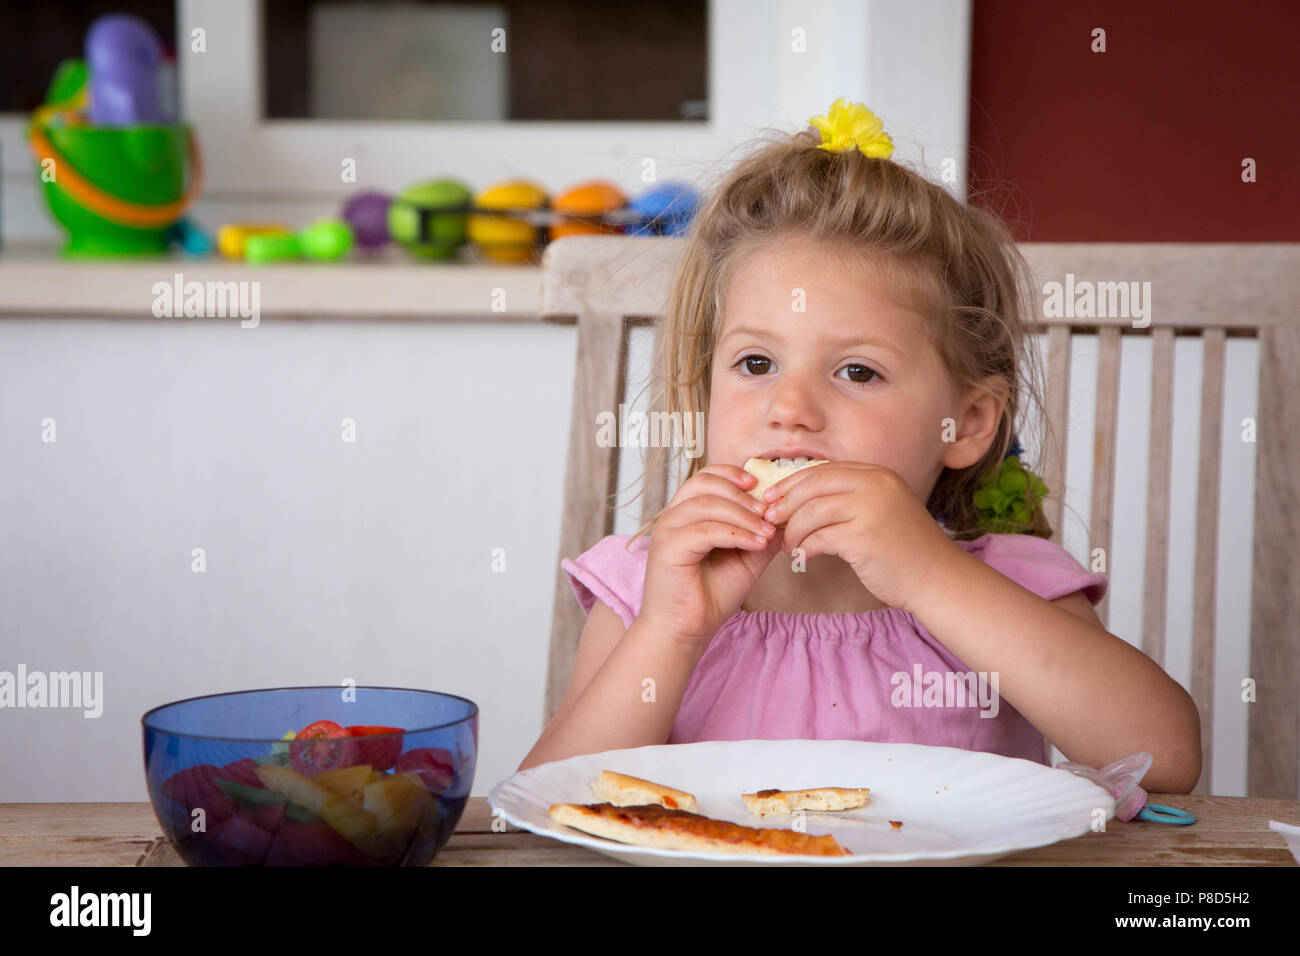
<point x="326" y="239"/>
<point x="414" y="221"/>
<point x="271" y="248"/>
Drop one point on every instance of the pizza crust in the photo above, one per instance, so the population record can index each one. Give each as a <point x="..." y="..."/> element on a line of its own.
<point x="659" y="827"/>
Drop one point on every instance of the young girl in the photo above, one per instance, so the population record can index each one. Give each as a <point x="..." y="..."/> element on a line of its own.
<point x="833" y="304"/>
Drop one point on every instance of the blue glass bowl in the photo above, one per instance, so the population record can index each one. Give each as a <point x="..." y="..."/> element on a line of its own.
<point x="229" y="790"/>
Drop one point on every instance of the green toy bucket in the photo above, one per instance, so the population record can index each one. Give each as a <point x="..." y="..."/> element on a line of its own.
<point x="116" y="190"/>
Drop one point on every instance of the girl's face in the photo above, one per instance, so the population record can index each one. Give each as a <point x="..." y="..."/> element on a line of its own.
<point x="851" y="377"/>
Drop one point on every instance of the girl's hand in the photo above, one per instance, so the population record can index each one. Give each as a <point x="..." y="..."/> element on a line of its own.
<point x="866" y="515"/>
<point x="706" y="551"/>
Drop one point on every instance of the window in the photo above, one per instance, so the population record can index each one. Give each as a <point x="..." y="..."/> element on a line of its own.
<point x="508" y="60"/>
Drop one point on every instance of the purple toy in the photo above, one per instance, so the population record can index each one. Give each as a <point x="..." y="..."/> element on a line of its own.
<point x="122" y="58"/>
<point x="367" y="214"/>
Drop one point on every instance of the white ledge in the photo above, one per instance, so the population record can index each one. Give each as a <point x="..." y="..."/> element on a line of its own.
<point x="36" y="282"/>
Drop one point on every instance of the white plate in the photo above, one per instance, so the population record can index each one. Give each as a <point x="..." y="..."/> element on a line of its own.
<point x="958" y="807"/>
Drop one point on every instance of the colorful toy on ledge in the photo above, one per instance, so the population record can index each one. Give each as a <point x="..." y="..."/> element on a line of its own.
<point x="123" y="57"/>
<point x="512" y="221"/>
<point x="428" y="219"/>
<point x="325" y="240"/>
<point x="118" y="169"/>
<point x="587" y="209"/>
<point x="367" y="214"/>
<point x="500" y="237"/>
<point x="509" y="222"/>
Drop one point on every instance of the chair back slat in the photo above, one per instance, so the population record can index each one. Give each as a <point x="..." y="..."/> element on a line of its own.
<point x="1207" y="543"/>
<point x="1103" y="452"/>
<point x="1273" y="729"/>
<point x="1214" y="290"/>
<point x="656" y="495"/>
<point x="1159" y="473"/>
<point x="656" y="490"/>
<point x="1057" y="411"/>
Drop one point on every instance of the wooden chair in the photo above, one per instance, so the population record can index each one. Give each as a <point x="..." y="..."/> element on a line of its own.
<point x="1214" y="291"/>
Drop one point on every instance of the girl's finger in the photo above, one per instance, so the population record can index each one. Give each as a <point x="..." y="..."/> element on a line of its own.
<point x="738" y="512"/>
<point x="704" y="536"/>
<point x="720" y="485"/>
<point x="705" y="507"/>
<point x="817" y="541"/>
<point x="737" y="476"/>
<point x="783" y="488"/>
<point x="814" y="513"/>
<point x="735" y="473"/>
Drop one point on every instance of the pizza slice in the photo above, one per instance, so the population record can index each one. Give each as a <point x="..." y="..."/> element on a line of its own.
<point x="769" y="471"/>
<point x="660" y="827"/>
<point x="624" y="791"/>
<point x="820" y="798"/>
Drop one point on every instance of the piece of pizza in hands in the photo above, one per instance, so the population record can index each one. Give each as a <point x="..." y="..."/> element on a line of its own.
<point x="820" y="798"/>
<point x="769" y="471"/>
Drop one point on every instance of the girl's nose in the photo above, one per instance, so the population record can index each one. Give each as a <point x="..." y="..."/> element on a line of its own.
<point x="795" y="402"/>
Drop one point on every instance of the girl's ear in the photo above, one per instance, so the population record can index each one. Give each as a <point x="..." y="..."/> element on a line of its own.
<point x="979" y="413"/>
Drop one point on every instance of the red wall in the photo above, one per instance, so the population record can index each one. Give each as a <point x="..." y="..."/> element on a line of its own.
<point x="1145" y="141"/>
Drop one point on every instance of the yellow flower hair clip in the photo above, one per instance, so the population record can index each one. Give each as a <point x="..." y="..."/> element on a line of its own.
<point x="847" y="124"/>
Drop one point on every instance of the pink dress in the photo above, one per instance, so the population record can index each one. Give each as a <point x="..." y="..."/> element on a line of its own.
<point x="874" y="675"/>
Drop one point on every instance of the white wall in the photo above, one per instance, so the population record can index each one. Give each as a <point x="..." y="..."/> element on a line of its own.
<point x="325" y="560"/>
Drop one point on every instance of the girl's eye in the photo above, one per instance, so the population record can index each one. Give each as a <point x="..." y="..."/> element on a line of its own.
<point x="752" y="358"/>
<point x="866" y="374"/>
<point x="866" y="370"/>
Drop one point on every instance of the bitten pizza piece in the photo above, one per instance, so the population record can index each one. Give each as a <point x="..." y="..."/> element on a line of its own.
<point x="821" y="798"/>
<point x="665" y="829"/>
<point x="769" y="472"/>
<point x="624" y="791"/>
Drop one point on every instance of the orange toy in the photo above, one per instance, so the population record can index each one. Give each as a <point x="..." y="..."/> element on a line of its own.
<point x="590" y="198"/>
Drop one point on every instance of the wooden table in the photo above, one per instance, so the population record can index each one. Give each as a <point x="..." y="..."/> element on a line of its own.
<point x="1229" y="831"/>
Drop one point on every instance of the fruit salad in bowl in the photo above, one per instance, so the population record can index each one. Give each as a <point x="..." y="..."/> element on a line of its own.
<point x="311" y="776"/>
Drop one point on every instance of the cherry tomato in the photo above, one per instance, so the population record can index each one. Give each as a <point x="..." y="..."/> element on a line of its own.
<point x="380" y="754"/>
<point x="323" y="745"/>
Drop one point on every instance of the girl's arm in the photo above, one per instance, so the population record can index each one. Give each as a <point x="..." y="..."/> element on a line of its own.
<point x="612" y="713"/>
<point x="1092" y="694"/>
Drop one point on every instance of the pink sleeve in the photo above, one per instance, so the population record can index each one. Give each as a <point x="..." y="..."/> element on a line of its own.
<point x="612" y="572"/>
<point x="1037" y="565"/>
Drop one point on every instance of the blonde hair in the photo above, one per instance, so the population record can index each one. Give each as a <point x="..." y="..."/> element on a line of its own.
<point x="955" y="263"/>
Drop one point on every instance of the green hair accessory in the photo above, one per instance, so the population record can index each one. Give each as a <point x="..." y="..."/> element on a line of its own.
<point x="1009" y="497"/>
